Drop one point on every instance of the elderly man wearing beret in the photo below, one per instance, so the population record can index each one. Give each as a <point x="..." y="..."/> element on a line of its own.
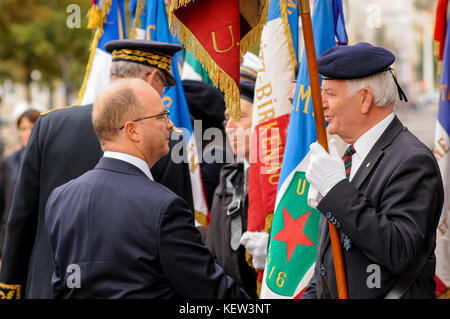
<point x="384" y="195"/>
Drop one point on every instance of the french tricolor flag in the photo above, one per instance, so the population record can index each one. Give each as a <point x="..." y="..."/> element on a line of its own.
<point x="107" y="18"/>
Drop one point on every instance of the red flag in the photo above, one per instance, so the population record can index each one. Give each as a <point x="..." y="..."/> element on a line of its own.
<point x="440" y="31"/>
<point x="218" y="33"/>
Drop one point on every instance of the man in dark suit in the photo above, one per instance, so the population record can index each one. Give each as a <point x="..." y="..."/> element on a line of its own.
<point x="128" y="236"/>
<point x="384" y="196"/>
<point x="63" y="146"/>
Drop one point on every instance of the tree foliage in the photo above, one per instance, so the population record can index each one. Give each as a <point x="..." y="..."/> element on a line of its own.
<point x="34" y="35"/>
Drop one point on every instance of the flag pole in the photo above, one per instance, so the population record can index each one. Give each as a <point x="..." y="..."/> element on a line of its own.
<point x="321" y="136"/>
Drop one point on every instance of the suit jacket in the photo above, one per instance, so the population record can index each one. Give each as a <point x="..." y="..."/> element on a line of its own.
<point x="389" y="210"/>
<point x="131" y="238"/>
<point x="62" y="146"/>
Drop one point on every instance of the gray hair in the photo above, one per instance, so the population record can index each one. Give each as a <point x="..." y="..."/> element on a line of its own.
<point x="116" y="104"/>
<point x="385" y="91"/>
<point x="125" y="69"/>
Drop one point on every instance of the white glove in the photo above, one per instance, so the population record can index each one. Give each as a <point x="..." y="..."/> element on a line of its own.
<point x="313" y="197"/>
<point x="256" y="245"/>
<point x="325" y="170"/>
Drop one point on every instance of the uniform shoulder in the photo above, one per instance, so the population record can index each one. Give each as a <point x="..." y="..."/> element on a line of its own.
<point x="66" y="110"/>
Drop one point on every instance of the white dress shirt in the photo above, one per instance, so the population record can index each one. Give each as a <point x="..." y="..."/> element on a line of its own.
<point x="133" y="160"/>
<point x="365" y="142"/>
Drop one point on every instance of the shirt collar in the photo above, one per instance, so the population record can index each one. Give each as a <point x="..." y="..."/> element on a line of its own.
<point x="366" y="141"/>
<point x="133" y="160"/>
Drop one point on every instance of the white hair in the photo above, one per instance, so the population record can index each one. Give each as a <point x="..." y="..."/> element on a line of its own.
<point x="384" y="89"/>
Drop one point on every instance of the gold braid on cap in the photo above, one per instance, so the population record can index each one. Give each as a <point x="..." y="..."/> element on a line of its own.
<point x="160" y="60"/>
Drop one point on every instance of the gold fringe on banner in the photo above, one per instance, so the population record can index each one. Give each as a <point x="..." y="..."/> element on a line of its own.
<point x="445" y="294"/>
<point x="219" y="77"/>
<point x="436" y="49"/>
<point x="96" y="16"/>
<point x="254" y="36"/>
<point x="175" y="4"/>
<point x="287" y="32"/>
<point x="137" y="19"/>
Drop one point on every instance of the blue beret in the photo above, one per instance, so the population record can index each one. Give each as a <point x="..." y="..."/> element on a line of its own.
<point x="247" y="90"/>
<point x="354" y="62"/>
<point x="147" y="52"/>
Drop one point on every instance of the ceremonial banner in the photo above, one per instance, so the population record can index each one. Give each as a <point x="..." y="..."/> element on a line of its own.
<point x="152" y="24"/>
<point x="294" y="235"/>
<point x="441" y="148"/>
<point x="108" y="19"/>
<point x="218" y="33"/>
<point x="270" y="118"/>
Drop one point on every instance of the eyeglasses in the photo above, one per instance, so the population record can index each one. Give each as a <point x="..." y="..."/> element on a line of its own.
<point x="164" y="117"/>
<point x="166" y="84"/>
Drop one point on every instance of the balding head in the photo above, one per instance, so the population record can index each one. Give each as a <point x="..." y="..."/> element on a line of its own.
<point x="129" y="117"/>
<point x="117" y="103"/>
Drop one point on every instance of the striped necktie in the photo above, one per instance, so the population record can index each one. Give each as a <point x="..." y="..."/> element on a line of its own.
<point x="347" y="158"/>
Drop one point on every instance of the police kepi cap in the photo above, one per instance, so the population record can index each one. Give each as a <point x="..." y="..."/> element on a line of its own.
<point x="147" y="52"/>
<point x="357" y="61"/>
<point x="247" y="90"/>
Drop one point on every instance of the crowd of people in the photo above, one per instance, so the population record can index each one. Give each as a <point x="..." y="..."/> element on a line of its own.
<point x="100" y="209"/>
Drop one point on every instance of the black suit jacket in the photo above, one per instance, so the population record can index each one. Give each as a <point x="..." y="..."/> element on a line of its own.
<point x="389" y="210"/>
<point x="131" y="238"/>
<point x="62" y="146"/>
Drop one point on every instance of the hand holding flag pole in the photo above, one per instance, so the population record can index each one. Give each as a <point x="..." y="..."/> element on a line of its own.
<point x="311" y="60"/>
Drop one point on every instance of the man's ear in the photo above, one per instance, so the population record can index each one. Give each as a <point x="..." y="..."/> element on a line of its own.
<point x="366" y="99"/>
<point x="131" y="131"/>
<point x="150" y="78"/>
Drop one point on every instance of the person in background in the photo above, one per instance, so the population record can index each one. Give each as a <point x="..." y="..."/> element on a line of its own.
<point x="9" y="169"/>
<point x="230" y="202"/>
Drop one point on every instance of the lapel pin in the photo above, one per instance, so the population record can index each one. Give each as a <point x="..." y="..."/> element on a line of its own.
<point x="347" y="243"/>
<point x="368" y="164"/>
